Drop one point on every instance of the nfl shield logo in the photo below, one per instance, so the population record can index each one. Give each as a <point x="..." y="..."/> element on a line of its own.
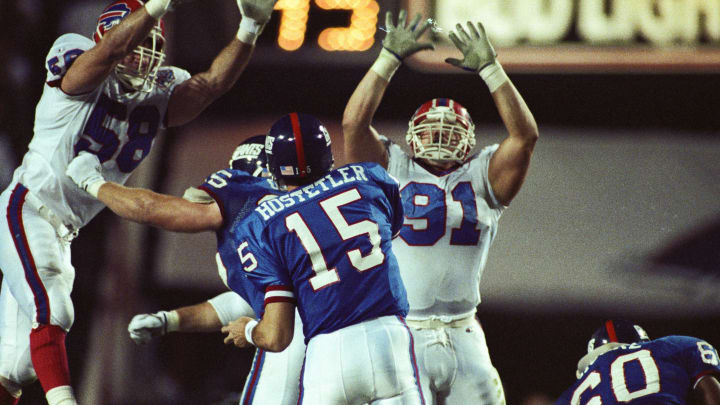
<point x="287" y="170"/>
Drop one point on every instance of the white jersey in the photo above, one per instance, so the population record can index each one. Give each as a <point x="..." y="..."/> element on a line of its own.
<point x="118" y="127"/>
<point x="450" y="221"/>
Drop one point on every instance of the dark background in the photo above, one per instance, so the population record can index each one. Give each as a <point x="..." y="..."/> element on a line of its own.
<point x="535" y="351"/>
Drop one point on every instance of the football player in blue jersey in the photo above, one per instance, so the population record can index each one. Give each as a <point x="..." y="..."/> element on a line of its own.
<point x="624" y="366"/>
<point x="325" y="245"/>
<point x="109" y="96"/>
<point x="224" y="198"/>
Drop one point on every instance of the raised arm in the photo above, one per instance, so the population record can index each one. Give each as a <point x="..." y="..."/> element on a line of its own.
<point x="510" y="163"/>
<point x="143" y="206"/>
<point x="273" y="333"/>
<point x="94" y="65"/>
<point x="191" y="97"/>
<point x="362" y="143"/>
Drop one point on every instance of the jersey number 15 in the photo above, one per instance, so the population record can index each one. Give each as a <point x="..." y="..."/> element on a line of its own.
<point x="325" y="276"/>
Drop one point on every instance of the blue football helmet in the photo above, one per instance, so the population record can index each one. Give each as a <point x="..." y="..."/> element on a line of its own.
<point x="617" y="330"/>
<point x="250" y="157"/>
<point x="298" y="149"/>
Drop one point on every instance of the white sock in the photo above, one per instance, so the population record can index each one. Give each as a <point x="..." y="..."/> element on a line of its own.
<point x="62" y="395"/>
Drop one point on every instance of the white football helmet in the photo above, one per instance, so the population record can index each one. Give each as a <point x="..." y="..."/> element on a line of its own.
<point x="441" y="129"/>
<point x="141" y="73"/>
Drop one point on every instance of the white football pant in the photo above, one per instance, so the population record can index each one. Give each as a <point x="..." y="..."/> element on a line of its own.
<point x="372" y="362"/>
<point x="455" y="366"/>
<point x="37" y="281"/>
<point x="274" y="378"/>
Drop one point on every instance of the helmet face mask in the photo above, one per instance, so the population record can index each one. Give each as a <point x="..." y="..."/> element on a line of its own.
<point x="138" y="70"/>
<point x="250" y="157"/>
<point x="441" y="130"/>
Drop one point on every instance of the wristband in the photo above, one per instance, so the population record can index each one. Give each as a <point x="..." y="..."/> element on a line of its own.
<point x="249" y="30"/>
<point x="157" y="8"/>
<point x="386" y="64"/>
<point x="494" y="76"/>
<point x="173" y="321"/>
<point x="249" y="328"/>
<point x="94" y="187"/>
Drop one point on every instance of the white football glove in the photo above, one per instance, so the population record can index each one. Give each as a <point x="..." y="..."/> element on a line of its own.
<point x="255" y="14"/>
<point x="258" y="10"/>
<point x="479" y="55"/>
<point x="85" y="170"/>
<point x="402" y="40"/>
<point x="475" y="47"/>
<point x="158" y="8"/>
<point x="144" y="327"/>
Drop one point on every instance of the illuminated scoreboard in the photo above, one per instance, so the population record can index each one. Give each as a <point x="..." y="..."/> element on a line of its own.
<point x="358" y="36"/>
<point x="582" y="35"/>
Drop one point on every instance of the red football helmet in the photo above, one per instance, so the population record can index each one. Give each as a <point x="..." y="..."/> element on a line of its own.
<point x="141" y="73"/>
<point x="441" y="129"/>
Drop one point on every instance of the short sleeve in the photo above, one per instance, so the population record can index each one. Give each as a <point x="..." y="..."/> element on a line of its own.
<point x="396" y="155"/>
<point x="391" y="189"/>
<point x="261" y="267"/>
<point x="169" y="77"/>
<point x="198" y="196"/>
<point x="700" y="357"/>
<point x="479" y="167"/>
<point x="63" y="53"/>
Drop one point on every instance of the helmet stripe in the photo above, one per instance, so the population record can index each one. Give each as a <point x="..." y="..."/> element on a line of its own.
<point x="295" y="120"/>
<point x="610" y="327"/>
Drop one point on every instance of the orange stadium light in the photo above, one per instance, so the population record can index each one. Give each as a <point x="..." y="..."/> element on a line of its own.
<point x="359" y="36"/>
<point x="293" y="23"/>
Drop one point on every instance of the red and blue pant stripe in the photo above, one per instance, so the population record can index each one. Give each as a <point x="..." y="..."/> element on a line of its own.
<point x="251" y="386"/>
<point x="17" y="230"/>
<point x="413" y="359"/>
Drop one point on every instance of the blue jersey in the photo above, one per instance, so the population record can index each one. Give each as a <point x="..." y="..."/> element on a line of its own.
<point x="662" y="371"/>
<point x="328" y="247"/>
<point x="237" y="193"/>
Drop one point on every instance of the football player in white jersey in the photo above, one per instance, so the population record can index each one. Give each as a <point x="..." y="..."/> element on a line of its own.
<point x="452" y="202"/>
<point x="108" y="97"/>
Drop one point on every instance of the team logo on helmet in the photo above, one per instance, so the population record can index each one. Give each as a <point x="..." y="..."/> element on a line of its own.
<point x="110" y="18"/>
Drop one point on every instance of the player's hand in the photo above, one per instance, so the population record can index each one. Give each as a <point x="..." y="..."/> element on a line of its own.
<point x="236" y="332"/>
<point x="257" y="10"/>
<point x="475" y="47"/>
<point x="158" y="8"/>
<point x="402" y="39"/>
<point x="144" y="327"/>
<point x="85" y="169"/>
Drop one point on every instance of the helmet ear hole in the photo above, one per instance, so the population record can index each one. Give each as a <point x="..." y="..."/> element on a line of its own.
<point x="441" y="129"/>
